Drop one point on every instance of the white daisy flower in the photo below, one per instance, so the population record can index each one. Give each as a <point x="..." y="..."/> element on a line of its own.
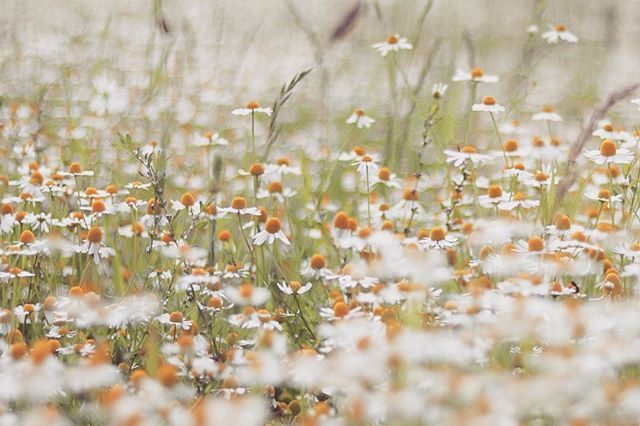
<point x="360" y="119"/>
<point x="467" y="153"/>
<point x="252" y="108"/>
<point x="547" y="114"/>
<point x="394" y="43"/>
<point x="272" y="232"/>
<point x="476" y="75"/>
<point x="488" y="105"/>
<point x="609" y="153"/>
<point x="559" y="33"/>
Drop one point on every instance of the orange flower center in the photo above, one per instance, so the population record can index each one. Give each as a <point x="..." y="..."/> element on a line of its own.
<point x="477" y="72"/>
<point x="511" y="145"/>
<point x="238" y="203"/>
<point x="273" y="225"/>
<point x="437" y="233"/>
<point x="94" y="235"/>
<point x="494" y="191"/>
<point x="489" y="100"/>
<point x="608" y="148"/>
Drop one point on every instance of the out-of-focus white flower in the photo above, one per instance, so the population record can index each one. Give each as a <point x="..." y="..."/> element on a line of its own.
<point x="252" y="107"/>
<point x="559" y="32"/>
<point x="360" y="119"/>
<point x="394" y="43"/>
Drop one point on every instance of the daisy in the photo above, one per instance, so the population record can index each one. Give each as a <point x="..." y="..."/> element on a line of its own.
<point x="138" y="185"/>
<point x="76" y="170"/>
<point x="39" y="222"/>
<point x="394" y="43"/>
<point x="438" y="239"/>
<point x="476" y="75"/>
<point x="272" y="232"/>
<point x="239" y="206"/>
<point x="340" y="311"/>
<point x="606" y="131"/>
<point x="559" y="32"/>
<point x="294" y="287"/>
<point x="252" y="108"/>
<point x="519" y="200"/>
<point x="547" y="114"/>
<point x="276" y="191"/>
<point x="494" y="197"/>
<point x="248" y="294"/>
<point x="316" y="267"/>
<point x="209" y="138"/>
<point x="94" y="247"/>
<point x="109" y="97"/>
<point x="385" y="177"/>
<point x="630" y="252"/>
<point x="367" y="167"/>
<point x="511" y="148"/>
<point x="15" y="272"/>
<point x="175" y="319"/>
<point x="609" y="153"/>
<point x="488" y="105"/>
<point x="438" y="90"/>
<point x="360" y="119"/>
<point x="282" y="167"/>
<point x="604" y="196"/>
<point x="467" y="153"/>
<point x="537" y="180"/>
<point x="563" y="227"/>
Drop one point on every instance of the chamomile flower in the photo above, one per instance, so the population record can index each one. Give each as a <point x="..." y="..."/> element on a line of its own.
<point x="252" y="107"/>
<point x="438" y="239"/>
<point x="387" y="178"/>
<point x="175" y="319"/>
<point x="109" y="97"/>
<point x="239" y="207"/>
<point x="247" y="294"/>
<point x="518" y="200"/>
<point x="209" y="138"/>
<point x="438" y="90"/>
<point x="294" y="287"/>
<point x="547" y="114"/>
<point x="494" y="197"/>
<point x="394" y="43"/>
<point x="367" y="167"/>
<point x="94" y="247"/>
<point x="14" y="273"/>
<point x="604" y="196"/>
<point x="476" y="75"/>
<point x="609" y="153"/>
<point x="557" y="33"/>
<point x="360" y="119"/>
<point x="272" y="232"/>
<point x="75" y="170"/>
<point x="488" y="104"/>
<point x="467" y="153"/>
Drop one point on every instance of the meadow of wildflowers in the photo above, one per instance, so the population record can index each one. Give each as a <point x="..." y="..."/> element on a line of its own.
<point x="319" y="212"/>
